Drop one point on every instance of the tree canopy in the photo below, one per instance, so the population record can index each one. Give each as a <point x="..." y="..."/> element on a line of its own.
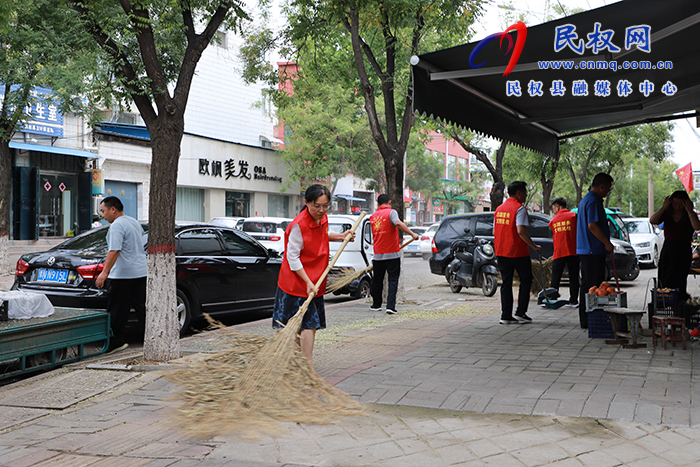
<point x="365" y="47"/>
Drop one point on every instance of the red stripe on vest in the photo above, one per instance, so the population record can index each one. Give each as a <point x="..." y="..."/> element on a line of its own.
<point x="563" y="227"/>
<point x="507" y="242"/>
<point x="385" y="236"/>
<point x="314" y="255"/>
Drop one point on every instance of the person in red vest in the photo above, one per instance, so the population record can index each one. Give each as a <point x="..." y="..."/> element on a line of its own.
<point x="563" y="226"/>
<point x="387" y="255"/>
<point x="306" y="256"/>
<point x="511" y="242"/>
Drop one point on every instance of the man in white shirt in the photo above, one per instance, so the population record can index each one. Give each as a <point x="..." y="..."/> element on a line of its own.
<point x="126" y="269"/>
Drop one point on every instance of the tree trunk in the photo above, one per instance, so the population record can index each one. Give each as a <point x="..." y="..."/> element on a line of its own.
<point x="5" y="196"/>
<point x="381" y="175"/>
<point x="499" y="185"/>
<point x="162" y="336"/>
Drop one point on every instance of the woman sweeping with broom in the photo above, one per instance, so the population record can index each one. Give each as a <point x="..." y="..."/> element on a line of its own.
<point x="306" y="255"/>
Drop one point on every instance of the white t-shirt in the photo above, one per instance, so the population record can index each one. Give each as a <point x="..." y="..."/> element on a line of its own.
<point x="125" y="235"/>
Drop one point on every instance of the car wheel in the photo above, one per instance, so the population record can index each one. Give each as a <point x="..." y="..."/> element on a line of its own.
<point x="655" y="257"/>
<point x="426" y="256"/>
<point x="184" y="312"/>
<point x="489" y="284"/>
<point x="363" y="290"/>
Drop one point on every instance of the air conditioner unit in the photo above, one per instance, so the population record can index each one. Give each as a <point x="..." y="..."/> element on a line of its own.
<point x="96" y="200"/>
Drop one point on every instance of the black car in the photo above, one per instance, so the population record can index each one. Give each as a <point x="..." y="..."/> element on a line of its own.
<point x="219" y="271"/>
<point x="481" y="224"/>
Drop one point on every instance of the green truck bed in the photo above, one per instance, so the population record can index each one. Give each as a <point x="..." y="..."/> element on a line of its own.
<point x="35" y="344"/>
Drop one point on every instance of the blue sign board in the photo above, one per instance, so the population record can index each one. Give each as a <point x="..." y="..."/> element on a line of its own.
<point x="45" y="118"/>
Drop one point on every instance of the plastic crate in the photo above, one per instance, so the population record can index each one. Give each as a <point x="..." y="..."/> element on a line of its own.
<point x="664" y="299"/>
<point x="600" y="327"/>
<point x="618" y="300"/>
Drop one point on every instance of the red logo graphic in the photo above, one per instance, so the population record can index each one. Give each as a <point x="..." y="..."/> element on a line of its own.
<point x="519" y="44"/>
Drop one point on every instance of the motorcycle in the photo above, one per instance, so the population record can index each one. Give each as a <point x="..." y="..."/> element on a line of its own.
<point x="472" y="269"/>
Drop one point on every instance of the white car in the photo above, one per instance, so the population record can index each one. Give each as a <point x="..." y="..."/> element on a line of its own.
<point x="413" y="248"/>
<point x="267" y="230"/>
<point x="356" y="256"/>
<point x="232" y="222"/>
<point x="426" y="241"/>
<point x="646" y="239"/>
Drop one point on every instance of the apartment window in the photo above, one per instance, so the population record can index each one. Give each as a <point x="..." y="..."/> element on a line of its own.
<point x="221" y="39"/>
<point x="452" y="167"/>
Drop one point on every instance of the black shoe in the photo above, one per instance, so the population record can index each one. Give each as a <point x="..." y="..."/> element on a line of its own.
<point x="509" y="321"/>
<point x="524" y="318"/>
<point x="375" y="308"/>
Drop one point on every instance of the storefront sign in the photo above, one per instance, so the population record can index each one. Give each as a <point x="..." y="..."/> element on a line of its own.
<point x="231" y="169"/>
<point x="355" y="209"/>
<point x="97" y="182"/>
<point x="43" y="115"/>
<point x="439" y="209"/>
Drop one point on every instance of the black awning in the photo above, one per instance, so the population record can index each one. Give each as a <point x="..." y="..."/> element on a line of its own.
<point x="447" y="87"/>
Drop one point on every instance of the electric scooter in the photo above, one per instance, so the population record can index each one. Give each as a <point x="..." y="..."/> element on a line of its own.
<point x="475" y="268"/>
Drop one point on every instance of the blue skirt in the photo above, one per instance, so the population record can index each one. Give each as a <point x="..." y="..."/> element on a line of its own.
<point x="287" y="305"/>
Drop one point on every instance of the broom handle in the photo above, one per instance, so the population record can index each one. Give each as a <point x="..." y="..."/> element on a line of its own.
<point x="335" y="256"/>
<point x="411" y="240"/>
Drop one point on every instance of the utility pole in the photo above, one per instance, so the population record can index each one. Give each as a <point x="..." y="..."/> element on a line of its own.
<point x="650" y="207"/>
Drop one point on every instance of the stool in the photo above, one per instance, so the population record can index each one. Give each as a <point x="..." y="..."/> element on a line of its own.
<point x="668" y="329"/>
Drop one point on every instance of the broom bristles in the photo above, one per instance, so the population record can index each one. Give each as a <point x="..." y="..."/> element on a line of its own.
<point x="346" y="278"/>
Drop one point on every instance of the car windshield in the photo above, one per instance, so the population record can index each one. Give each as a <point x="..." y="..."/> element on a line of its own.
<point x="638" y="227"/>
<point x="90" y="243"/>
<point x="260" y="227"/>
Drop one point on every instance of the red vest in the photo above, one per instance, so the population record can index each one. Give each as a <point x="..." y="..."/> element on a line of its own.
<point x="384" y="235"/>
<point x="507" y="242"/>
<point x="563" y="227"/>
<point x="314" y="255"/>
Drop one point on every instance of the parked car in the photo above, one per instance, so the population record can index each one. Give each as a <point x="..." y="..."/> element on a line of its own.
<point x="646" y="239"/>
<point x="218" y="271"/>
<point x="267" y="230"/>
<point x="356" y="256"/>
<point x="426" y="241"/>
<point x="233" y="222"/>
<point x="413" y="248"/>
<point x="481" y="225"/>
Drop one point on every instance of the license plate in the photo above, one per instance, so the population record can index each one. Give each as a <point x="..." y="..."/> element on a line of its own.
<point x="52" y="275"/>
<point x="412" y="247"/>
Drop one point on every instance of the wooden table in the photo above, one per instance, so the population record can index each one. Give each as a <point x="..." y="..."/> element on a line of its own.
<point x="634" y="318"/>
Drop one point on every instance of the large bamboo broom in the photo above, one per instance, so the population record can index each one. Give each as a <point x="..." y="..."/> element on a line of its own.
<point x="262" y="374"/>
<point x="258" y="383"/>
<point x="342" y="280"/>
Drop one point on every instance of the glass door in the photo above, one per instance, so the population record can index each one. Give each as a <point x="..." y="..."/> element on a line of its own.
<point x="58" y="206"/>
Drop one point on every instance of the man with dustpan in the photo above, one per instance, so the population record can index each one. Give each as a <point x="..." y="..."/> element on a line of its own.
<point x="563" y="227"/>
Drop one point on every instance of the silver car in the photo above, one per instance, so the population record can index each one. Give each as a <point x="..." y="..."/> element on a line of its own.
<point x="646" y="239"/>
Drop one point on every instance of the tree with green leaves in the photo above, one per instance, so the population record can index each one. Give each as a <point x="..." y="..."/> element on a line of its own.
<point x="327" y="133"/>
<point x="38" y="45"/>
<point x="152" y="49"/>
<point x="375" y="40"/>
<point x="611" y="151"/>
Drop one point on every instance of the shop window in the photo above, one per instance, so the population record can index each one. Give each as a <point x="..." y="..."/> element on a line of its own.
<point x="277" y="206"/>
<point x="237" y="204"/>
